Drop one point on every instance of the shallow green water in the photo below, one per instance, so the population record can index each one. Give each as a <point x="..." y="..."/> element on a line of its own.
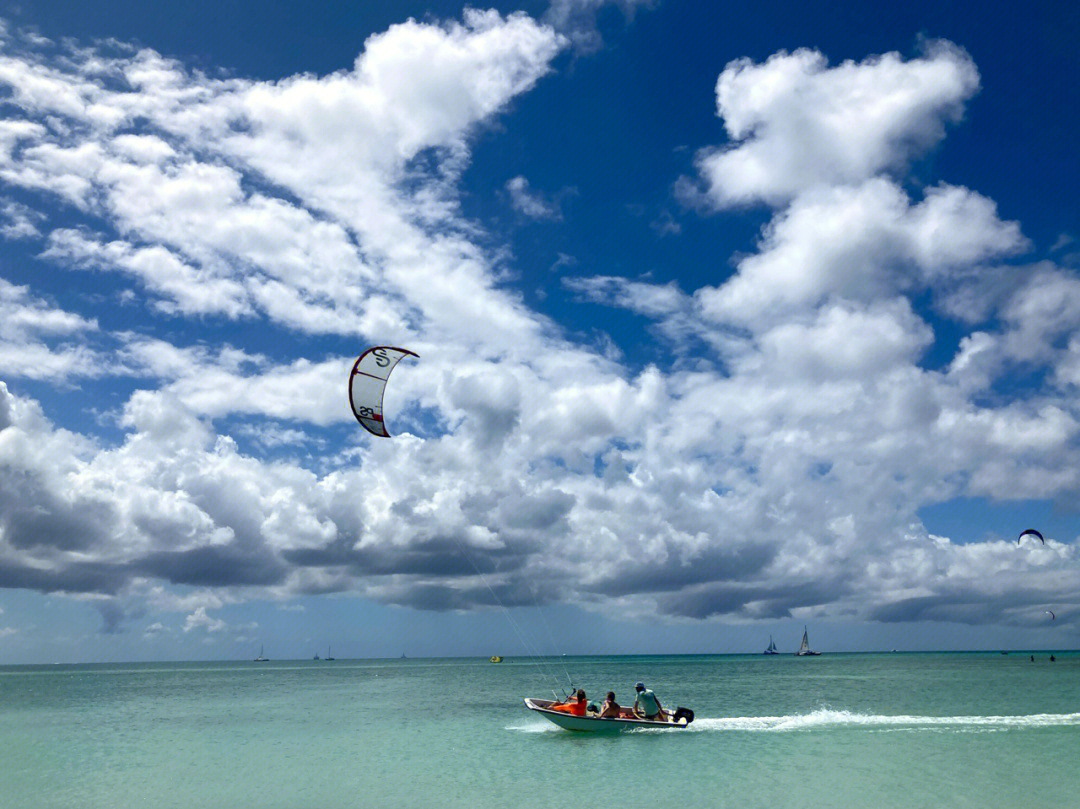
<point x="902" y="730"/>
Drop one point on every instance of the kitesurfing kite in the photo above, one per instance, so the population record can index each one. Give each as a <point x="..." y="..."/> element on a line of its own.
<point x="1032" y="532"/>
<point x="1051" y="614"/>
<point x="367" y="383"/>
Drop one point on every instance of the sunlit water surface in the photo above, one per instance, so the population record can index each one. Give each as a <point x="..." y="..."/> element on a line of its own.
<point x="899" y="730"/>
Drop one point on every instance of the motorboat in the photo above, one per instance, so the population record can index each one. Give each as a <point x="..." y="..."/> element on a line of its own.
<point x="591" y="722"/>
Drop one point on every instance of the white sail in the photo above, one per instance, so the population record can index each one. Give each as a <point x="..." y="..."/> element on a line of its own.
<point x="804" y="647"/>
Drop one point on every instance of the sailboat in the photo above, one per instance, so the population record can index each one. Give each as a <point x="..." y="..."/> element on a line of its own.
<point x="804" y="647"/>
<point x="261" y="658"/>
<point x="771" y="648"/>
<point x="328" y="655"/>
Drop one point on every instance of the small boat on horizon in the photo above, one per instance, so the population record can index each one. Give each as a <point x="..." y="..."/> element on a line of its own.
<point x="804" y="647"/>
<point x="261" y="658"/>
<point x="771" y="648"/>
<point x="328" y="655"/>
<point x="496" y="658"/>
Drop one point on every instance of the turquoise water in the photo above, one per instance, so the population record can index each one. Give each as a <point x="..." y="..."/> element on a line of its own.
<point x="900" y="730"/>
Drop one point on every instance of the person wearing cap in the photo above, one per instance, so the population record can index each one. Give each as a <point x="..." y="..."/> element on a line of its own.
<point x="646" y="704"/>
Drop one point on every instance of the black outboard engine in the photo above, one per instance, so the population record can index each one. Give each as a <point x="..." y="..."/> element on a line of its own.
<point x="681" y="714"/>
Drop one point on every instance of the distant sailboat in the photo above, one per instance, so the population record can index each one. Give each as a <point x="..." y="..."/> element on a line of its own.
<point x="804" y="647"/>
<point x="328" y="655"/>
<point x="261" y="658"/>
<point x="771" y="648"/>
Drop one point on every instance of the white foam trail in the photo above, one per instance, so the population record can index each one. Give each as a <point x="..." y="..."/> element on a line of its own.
<point x="533" y="727"/>
<point x="828" y="718"/>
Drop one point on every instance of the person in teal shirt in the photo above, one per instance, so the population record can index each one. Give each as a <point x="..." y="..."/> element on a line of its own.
<point x="646" y="703"/>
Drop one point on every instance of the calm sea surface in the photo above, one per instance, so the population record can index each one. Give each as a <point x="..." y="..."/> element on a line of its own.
<point x="899" y="730"/>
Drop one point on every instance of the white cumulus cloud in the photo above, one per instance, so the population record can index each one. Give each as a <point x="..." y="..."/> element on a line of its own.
<point x="794" y="122"/>
<point x="776" y="467"/>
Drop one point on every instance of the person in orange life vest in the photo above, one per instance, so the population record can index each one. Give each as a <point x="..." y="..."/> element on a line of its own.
<point x="575" y="705"/>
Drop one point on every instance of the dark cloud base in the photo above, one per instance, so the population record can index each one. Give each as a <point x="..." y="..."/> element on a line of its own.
<point x="762" y="601"/>
<point x="216" y="566"/>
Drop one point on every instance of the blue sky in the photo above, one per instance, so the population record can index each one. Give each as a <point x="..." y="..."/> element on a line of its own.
<point x="728" y="323"/>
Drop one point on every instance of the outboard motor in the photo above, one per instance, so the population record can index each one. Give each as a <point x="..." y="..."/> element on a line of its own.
<point x="682" y="714"/>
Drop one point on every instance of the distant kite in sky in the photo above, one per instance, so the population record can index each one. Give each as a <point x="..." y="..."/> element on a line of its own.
<point x="367" y="383"/>
<point x="1031" y="532"/>
<point x="1051" y="614"/>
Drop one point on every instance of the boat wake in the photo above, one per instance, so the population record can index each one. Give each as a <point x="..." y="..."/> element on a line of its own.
<point x="534" y="727"/>
<point x="830" y="719"/>
<point x="826" y="718"/>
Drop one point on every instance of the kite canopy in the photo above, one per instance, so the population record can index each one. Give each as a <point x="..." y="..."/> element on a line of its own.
<point x="1030" y="532"/>
<point x="367" y="383"/>
<point x="1051" y="614"/>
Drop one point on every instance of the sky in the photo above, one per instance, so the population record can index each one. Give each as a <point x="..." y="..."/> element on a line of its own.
<point x="729" y="320"/>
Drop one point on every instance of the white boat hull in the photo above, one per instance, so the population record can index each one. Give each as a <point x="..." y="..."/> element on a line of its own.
<point x="592" y="723"/>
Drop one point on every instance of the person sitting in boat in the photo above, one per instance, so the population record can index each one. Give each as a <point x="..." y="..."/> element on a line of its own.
<point x="647" y="705"/>
<point x="610" y="709"/>
<point x="574" y="705"/>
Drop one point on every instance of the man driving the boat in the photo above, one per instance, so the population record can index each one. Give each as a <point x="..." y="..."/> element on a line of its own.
<point x="647" y="705"/>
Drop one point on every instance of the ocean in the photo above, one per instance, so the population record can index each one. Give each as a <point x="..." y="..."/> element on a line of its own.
<point x="844" y="730"/>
